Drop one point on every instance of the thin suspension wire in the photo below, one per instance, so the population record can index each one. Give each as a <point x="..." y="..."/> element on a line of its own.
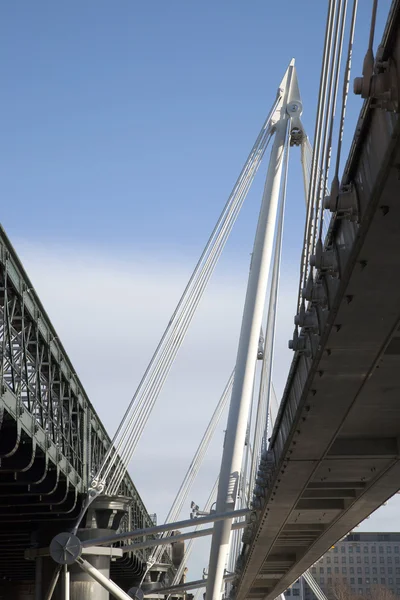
<point x="189" y="545"/>
<point x="345" y="93"/>
<point x="335" y="75"/>
<point x="204" y="278"/>
<point x="322" y="130"/>
<point x="310" y="204"/>
<point x="253" y="152"/>
<point x="195" y="465"/>
<point x="191" y="293"/>
<point x="306" y="159"/>
<point x="255" y="156"/>
<point x="372" y="27"/>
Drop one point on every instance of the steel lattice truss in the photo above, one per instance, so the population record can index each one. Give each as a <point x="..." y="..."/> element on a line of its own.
<point x="51" y="439"/>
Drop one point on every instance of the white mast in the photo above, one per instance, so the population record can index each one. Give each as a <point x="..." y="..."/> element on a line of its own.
<point x="288" y="106"/>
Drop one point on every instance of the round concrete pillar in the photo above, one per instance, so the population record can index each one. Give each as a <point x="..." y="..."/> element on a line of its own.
<point x="83" y="587"/>
<point x="102" y="518"/>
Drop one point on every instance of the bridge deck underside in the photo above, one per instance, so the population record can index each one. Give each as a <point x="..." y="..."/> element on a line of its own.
<point x="336" y="444"/>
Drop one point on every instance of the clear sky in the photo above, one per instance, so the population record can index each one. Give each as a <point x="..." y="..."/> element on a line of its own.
<point x="123" y="127"/>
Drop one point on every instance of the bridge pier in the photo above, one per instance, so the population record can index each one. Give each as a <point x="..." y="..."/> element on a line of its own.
<point x="103" y="518"/>
<point x="84" y="587"/>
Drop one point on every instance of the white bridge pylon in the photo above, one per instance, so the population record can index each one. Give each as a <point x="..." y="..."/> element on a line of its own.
<point x="285" y="126"/>
<point x="285" y="119"/>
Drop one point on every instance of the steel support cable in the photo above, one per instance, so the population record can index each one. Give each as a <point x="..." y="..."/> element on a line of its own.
<point x="266" y="372"/>
<point x="135" y="413"/>
<point x="306" y="161"/>
<point x="309" y="232"/>
<point x="335" y="76"/>
<point x="372" y="27"/>
<point x="322" y="131"/>
<point x="172" y="340"/>
<point x="211" y="260"/>
<point x="321" y="134"/>
<point x="271" y="422"/>
<point x="314" y="586"/>
<point x="135" y="418"/>
<point x="117" y="442"/>
<point x="327" y="98"/>
<point x="189" y="545"/>
<point x="306" y="158"/>
<point x="144" y="415"/>
<point x="310" y="199"/>
<point x="345" y="93"/>
<point x="196" y="462"/>
<point x="239" y="198"/>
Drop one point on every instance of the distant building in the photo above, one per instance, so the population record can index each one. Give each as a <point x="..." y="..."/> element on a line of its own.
<point x="360" y="561"/>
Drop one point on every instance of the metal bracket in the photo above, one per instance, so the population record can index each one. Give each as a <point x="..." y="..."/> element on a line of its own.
<point x="315" y="292"/>
<point x="296" y="136"/>
<point x="298" y="343"/>
<point x="324" y="260"/>
<point x="307" y="318"/>
<point x="345" y="203"/>
<point x="260" y="351"/>
<point x="380" y="84"/>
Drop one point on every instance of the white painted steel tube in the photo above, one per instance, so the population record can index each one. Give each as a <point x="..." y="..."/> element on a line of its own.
<point x="109" y="585"/>
<point x="190" y="535"/>
<point x="66" y="583"/>
<point x="190" y="585"/>
<point x="247" y="355"/>
<point x="119" y="537"/>
<point x="53" y="583"/>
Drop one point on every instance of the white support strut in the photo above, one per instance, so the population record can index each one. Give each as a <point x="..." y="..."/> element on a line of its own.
<point x="190" y="535"/>
<point x="109" y="585"/>
<point x="249" y="336"/>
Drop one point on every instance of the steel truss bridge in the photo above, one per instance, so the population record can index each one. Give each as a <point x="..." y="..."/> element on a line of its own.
<point x="332" y="456"/>
<point x="51" y="439"/>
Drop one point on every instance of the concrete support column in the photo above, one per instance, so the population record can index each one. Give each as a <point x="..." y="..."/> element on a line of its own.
<point x="83" y="587"/>
<point x="102" y="518"/>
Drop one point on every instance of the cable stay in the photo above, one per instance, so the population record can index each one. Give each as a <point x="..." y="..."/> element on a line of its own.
<point x="316" y="184"/>
<point x="253" y="403"/>
<point x="194" y="467"/>
<point x="314" y="585"/>
<point x="116" y="460"/>
<point x="189" y="546"/>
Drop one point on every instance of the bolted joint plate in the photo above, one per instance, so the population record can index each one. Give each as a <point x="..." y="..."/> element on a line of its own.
<point x="345" y="203"/>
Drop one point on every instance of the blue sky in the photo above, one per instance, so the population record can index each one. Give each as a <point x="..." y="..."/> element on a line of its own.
<point x="126" y="123"/>
<point x="123" y="128"/>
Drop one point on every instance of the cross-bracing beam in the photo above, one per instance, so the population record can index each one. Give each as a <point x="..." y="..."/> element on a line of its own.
<point x="190" y="535"/>
<point x="66" y="548"/>
<point x="184" y="587"/>
<point x="211" y="518"/>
